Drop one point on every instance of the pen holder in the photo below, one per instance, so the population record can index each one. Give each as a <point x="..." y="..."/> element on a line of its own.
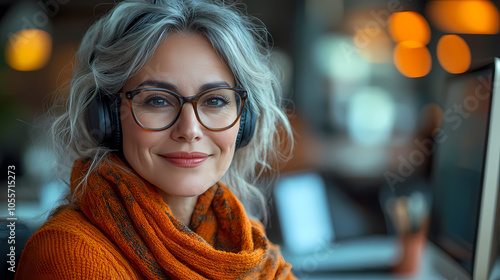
<point x="411" y="247"/>
<point x="407" y="211"/>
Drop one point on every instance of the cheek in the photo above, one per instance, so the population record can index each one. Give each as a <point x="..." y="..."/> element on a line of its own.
<point x="135" y="139"/>
<point x="226" y="141"/>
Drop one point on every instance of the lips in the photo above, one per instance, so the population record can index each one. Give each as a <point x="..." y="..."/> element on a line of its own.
<point x="186" y="160"/>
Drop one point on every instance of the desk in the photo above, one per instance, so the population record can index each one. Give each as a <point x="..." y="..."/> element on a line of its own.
<point x="435" y="265"/>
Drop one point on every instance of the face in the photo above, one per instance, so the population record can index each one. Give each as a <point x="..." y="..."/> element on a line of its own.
<point x="186" y="159"/>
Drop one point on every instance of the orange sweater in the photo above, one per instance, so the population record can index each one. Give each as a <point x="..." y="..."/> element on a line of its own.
<point x="123" y="230"/>
<point x="70" y="247"/>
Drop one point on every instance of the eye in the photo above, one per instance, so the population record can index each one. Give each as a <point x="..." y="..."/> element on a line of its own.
<point x="156" y="101"/>
<point x="216" y="101"/>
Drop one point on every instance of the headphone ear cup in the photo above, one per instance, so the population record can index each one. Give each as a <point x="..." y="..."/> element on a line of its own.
<point x="247" y="126"/>
<point x="103" y="116"/>
<point x="116" y="124"/>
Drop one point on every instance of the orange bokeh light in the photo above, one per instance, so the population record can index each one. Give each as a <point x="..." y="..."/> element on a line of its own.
<point x="28" y="49"/>
<point x="409" y="26"/>
<point x="453" y="54"/>
<point x="464" y="16"/>
<point x="412" y="59"/>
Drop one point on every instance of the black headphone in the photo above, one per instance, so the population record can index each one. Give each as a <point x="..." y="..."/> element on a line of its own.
<point x="103" y="116"/>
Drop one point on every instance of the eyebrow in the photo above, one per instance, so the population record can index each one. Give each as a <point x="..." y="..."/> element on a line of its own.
<point x="172" y="87"/>
<point x="158" y="84"/>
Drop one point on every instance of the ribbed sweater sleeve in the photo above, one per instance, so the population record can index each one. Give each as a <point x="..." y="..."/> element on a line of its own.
<point x="70" y="247"/>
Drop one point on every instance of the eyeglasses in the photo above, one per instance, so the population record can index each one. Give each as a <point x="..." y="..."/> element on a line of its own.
<point x="158" y="109"/>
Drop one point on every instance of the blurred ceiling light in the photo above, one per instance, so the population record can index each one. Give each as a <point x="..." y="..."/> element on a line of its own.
<point x="373" y="44"/>
<point x="464" y="16"/>
<point x="409" y="26"/>
<point x="28" y="49"/>
<point x="371" y="116"/>
<point x="412" y="59"/>
<point x="453" y="54"/>
<point x="338" y="58"/>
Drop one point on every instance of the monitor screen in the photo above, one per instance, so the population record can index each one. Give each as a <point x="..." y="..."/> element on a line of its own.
<point x="462" y="164"/>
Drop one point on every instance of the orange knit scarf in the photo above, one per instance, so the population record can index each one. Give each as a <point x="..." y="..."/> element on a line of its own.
<point x="223" y="243"/>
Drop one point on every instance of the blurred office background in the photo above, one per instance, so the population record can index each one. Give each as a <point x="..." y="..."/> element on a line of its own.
<point x="365" y="79"/>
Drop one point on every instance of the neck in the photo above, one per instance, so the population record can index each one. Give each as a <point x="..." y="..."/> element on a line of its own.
<point x="181" y="207"/>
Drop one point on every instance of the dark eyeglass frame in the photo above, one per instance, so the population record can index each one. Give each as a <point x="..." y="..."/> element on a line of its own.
<point x="183" y="100"/>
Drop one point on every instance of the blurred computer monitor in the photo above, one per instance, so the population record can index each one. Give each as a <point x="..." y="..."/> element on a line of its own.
<point x="466" y="167"/>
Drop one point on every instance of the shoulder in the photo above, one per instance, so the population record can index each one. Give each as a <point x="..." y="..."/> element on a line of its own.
<point x="70" y="247"/>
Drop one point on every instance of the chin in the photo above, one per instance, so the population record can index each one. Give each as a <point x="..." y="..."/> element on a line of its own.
<point x="185" y="188"/>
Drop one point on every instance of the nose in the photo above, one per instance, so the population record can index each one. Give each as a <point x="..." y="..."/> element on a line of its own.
<point x="187" y="128"/>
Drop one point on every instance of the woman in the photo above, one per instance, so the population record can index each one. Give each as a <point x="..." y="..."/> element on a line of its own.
<point x="164" y="101"/>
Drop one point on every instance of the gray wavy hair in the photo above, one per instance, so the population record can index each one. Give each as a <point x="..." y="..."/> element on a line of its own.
<point x="119" y="44"/>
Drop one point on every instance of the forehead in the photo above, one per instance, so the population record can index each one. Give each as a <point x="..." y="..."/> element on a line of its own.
<point x="186" y="46"/>
<point x="185" y="60"/>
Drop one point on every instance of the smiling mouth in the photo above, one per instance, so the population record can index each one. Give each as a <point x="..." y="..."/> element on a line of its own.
<point x="186" y="160"/>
